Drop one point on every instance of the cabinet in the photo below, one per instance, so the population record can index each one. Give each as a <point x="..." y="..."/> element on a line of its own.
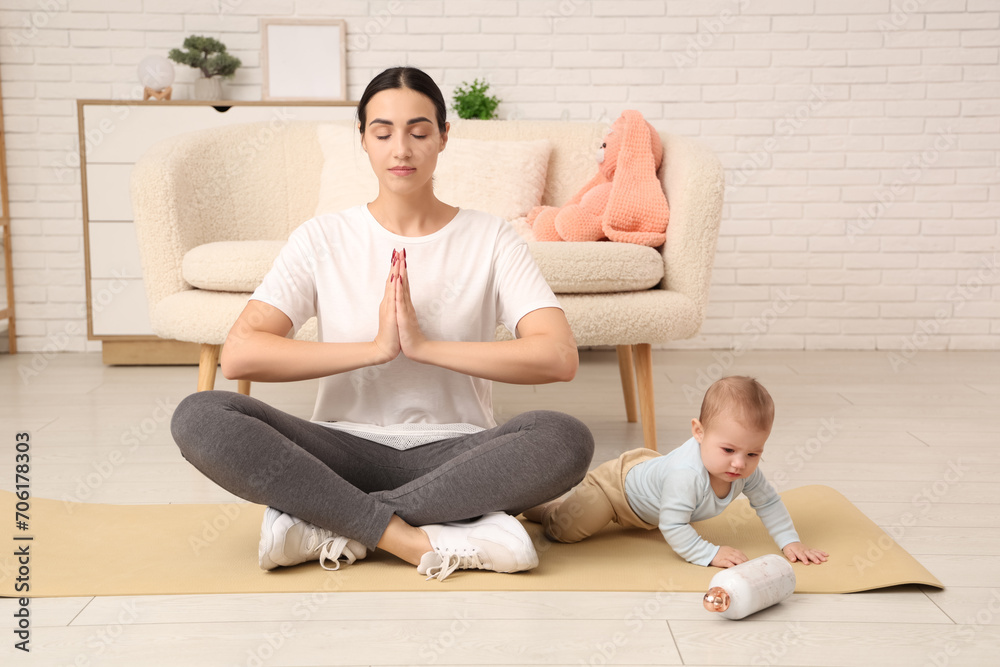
<point x="113" y="135"/>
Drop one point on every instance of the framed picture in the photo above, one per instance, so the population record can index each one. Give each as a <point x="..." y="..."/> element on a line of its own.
<point x="304" y="59"/>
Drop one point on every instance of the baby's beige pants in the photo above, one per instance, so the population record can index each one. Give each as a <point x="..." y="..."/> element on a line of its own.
<point x="596" y="501"/>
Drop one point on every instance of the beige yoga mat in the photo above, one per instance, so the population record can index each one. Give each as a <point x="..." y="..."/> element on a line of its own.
<point x="81" y="549"/>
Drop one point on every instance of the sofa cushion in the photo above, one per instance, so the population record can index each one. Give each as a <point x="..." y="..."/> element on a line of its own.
<point x="202" y="316"/>
<point x="597" y="267"/>
<point x="650" y="316"/>
<point x="229" y="266"/>
<point x="569" y="268"/>
<point x="505" y="178"/>
<point x="197" y="316"/>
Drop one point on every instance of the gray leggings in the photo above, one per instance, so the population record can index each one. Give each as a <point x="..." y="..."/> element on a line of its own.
<point x="353" y="486"/>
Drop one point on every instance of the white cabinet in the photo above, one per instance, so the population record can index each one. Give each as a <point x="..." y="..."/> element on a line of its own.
<point x="107" y="192"/>
<point x="113" y="135"/>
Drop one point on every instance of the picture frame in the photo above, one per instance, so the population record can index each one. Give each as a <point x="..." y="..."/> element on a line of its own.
<point x="304" y="59"/>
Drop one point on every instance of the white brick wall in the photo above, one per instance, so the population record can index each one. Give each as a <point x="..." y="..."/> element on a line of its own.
<point x="860" y="137"/>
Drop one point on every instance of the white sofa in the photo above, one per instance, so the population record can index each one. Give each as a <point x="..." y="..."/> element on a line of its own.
<point x="211" y="215"/>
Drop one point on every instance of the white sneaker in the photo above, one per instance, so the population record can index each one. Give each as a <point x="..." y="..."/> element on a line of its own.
<point x="497" y="542"/>
<point x="287" y="540"/>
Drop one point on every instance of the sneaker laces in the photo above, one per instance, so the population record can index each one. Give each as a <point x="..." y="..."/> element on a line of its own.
<point x="451" y="561"/>
<point x="333" y="549"/>
<point x="331" y="546"/>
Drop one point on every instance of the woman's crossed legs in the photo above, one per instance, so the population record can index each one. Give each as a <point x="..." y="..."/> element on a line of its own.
<point x="373" y="493"/>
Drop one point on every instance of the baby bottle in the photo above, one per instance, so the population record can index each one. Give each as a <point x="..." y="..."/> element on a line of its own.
<point x="749" y="587"/>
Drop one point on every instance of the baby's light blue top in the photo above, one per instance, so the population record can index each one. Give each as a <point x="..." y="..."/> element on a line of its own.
<point x="675" y="489"/>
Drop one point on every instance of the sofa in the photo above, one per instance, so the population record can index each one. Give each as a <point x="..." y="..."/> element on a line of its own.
<point x="212" y="209"/>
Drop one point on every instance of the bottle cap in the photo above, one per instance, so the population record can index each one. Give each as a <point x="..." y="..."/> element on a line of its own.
<point x="716" y="599"/>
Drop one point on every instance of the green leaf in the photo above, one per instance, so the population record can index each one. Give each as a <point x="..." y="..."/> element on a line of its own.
<point x="208" y="55"/>
<point x="471" y="100"/>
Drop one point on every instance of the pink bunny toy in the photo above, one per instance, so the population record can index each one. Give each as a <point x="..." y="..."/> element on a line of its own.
<point x="623" y="202"/>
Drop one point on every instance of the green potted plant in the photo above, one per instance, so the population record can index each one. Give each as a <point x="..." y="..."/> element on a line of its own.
<point x="471" y="101"/>
<point x="209" y="56"/>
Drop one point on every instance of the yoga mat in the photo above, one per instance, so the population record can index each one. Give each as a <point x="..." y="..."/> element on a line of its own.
<point x="82" y="549"/>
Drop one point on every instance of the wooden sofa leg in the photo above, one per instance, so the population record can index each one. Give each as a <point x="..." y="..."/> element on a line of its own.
<point x="207" y="364"/>
<point x="244" y="387"/>
<point x="627" y="371"/>
<point x="644" y="371"/>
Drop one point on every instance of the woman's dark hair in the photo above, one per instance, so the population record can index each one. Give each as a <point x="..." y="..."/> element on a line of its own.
<point x="403" y="77"/>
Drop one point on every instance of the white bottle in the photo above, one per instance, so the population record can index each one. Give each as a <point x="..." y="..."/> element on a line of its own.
<point x="749" y="587"/>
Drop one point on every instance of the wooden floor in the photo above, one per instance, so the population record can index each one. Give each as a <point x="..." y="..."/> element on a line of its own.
<point x="918" y="435"/>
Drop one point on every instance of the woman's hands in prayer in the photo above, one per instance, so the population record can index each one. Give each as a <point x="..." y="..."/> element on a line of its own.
<point x="398" y="328"/>
<point x="410" y="335"/>
<point x="387" y="339"/>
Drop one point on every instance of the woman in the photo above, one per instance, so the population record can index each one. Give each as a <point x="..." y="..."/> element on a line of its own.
<point x="402" y="449"/>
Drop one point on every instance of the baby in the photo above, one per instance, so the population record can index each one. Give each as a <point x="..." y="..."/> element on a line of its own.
<point x="696" y="481"/>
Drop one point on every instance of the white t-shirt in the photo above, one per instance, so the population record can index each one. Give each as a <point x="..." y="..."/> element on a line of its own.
<point x="465" y="278"/>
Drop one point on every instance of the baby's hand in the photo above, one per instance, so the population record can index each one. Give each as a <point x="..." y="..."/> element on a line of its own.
<point x="728" y="556"/>
<point x="796" y="551"/>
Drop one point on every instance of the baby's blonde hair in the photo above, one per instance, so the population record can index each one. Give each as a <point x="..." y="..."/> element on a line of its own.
<point x="741" y="398"/>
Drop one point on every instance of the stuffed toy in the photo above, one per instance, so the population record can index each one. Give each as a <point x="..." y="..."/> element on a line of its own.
<point x="623" y="202"/>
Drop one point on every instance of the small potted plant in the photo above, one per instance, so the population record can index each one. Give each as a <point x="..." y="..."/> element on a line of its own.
<point x="210" y="57"/>
<point x="471" y="101"/>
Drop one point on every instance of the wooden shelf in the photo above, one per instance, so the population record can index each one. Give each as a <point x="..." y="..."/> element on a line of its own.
<point x="221" y="103"/>
<point x="8" y="312"/>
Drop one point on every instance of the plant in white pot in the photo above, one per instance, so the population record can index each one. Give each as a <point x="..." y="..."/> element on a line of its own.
<point x="210" y="57"/>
